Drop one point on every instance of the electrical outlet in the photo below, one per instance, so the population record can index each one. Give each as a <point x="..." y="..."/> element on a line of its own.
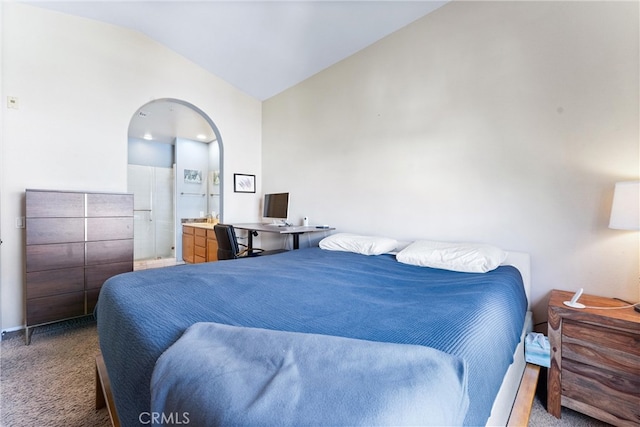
<point x="12" y="102"/>
<point x="20" y="222"/>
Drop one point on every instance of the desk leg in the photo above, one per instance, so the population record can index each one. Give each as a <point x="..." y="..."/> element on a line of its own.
<point x="296" y="240"/>
<point x="249" y="242"/>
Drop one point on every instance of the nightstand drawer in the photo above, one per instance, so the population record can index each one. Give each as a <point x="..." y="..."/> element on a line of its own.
<point x="601" y="347"/>
<point x="601" y="389"/>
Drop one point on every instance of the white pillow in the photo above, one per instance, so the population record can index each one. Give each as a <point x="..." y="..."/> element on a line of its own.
<point x="464" y="257"/>
<point x="365" y="245"/>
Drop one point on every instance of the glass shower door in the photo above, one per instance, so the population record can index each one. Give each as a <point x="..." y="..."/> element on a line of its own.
<point x="153" y="209"/>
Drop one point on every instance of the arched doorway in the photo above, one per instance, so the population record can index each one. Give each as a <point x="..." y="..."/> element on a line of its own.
<point x="175" y="165"/>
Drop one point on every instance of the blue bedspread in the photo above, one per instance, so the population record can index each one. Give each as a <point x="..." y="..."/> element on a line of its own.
<point x="478" y="317"/>
<point x="221" y="375"/>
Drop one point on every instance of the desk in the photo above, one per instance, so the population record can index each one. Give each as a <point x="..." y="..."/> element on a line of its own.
<point x="294" y="230"/>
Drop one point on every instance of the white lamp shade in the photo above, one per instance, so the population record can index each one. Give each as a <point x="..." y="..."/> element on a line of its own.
<point x="625" y="209"/>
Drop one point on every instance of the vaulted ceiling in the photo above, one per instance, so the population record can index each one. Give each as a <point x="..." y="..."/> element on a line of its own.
<point x="260" y="47"/>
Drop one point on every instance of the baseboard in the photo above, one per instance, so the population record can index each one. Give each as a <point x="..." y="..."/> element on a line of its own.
<point x="12" y="332"/>
<point x="44" y="328"/>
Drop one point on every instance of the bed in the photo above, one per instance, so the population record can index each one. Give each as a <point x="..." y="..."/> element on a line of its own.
<point x="159" y="327"/>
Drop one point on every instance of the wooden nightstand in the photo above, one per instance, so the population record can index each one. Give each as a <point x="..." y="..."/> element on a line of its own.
<point x="595" y="359"/>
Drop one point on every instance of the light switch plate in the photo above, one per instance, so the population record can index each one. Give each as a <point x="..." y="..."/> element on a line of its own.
<point x="12" y="102"/>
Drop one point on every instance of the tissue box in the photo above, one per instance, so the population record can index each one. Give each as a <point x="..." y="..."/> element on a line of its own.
<point x="537" y="349"/>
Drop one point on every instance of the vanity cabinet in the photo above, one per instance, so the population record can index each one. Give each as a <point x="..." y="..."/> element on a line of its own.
<point x="199" y="243"/>
<point x="74" y="242"/>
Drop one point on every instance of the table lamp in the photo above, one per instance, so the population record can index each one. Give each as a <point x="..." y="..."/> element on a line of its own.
<point x="625" y="209"/>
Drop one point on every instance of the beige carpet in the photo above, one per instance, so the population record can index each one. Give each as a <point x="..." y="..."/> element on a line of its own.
<point x="541" y="418"/>
<point x="51" y="382"/>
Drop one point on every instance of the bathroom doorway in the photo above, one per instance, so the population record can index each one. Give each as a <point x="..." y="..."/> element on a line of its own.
<point x="175" y="174"/>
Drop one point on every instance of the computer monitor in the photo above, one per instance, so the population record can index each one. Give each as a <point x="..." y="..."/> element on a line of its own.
<point x="276" y="206"/>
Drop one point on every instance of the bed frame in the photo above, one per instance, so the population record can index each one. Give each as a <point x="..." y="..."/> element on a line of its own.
<point x="512" y="406"/>
<point x="515" y="397"/>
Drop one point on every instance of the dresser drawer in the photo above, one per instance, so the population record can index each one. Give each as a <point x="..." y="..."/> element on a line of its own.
<point x="108" y="205"/>
<point x="97" y="274"/>
<point x="109" y="228"/>
<point x="50" y="257"/>
<point x="54" y="282"/>
<point x="110" y="251"/>
<point x="42" y="231"/>
<point x="54" y="204"/>
<point x="202" y="232"/>
<point x="57" y="307"/>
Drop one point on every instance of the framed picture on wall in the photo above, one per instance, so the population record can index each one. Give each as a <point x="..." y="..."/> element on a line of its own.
<point x="243" y="183"/>
<point x="192" y="176"/>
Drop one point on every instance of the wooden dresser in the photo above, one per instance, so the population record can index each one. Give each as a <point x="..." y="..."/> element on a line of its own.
<point x="595" y="359"/>
<point x="74" y="242"/>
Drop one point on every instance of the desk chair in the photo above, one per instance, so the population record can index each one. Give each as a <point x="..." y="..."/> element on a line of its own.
<point x="228" y="246"/>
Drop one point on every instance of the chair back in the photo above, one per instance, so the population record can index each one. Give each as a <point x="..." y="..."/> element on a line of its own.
<point x="227" y="242"/>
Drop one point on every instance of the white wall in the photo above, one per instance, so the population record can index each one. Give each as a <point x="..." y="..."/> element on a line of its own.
<point x="500" y="122"/>
<point x="79" y="83"/>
